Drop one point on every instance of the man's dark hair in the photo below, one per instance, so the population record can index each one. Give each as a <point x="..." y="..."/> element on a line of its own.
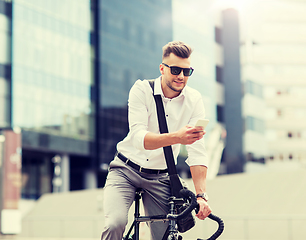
<point x="178" y="48"/>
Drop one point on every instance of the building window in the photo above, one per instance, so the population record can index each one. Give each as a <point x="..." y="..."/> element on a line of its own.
<point x="5" y="71"/>
<point x="105" y="75"/>
<point x="220" y="113"/>
<point x="127" y="78"/>
<point x="219" y="74"/>
<point x="218" y="37"/>
<point x="127" y="30"/>
<point x="153" y="41"/>
<point x="105" y="21"/>
<point x="254" y="124"/>
<point x="6" y="7"/>
<point x="140" y="33"/>
<point x="254" y="88"/>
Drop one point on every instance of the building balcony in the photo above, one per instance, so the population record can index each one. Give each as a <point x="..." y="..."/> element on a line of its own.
<point x="289" y="124"/>
<point x="287" y="145"/>
<point x="286" y="101"/>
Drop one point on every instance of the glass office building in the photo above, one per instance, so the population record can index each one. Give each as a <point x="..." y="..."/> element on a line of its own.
<point x="51" y="83"/>
<point x="276" y="49"/>
<point x="196" y="29"/>
<point x="131" y="37"/>
<point x="51" y="59"/>
<point x="66" y="68"/>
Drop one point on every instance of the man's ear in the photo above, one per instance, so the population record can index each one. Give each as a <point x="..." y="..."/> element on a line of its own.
<point x="161" y="69"/>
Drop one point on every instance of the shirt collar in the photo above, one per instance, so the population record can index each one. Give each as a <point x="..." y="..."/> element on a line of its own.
<point x="158" y="90"/>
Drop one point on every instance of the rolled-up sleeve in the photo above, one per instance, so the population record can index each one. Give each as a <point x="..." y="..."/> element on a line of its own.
<point x="138" y="115"/>
<point x="197" y="154"/>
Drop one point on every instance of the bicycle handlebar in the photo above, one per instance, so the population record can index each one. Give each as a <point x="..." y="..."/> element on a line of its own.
<point x="220" y="227"/>
<point x="187" y="194"/>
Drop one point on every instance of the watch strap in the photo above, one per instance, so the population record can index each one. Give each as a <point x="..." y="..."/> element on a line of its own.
<point x="202" y="195"/>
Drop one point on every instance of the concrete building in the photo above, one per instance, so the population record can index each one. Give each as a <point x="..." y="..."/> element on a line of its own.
<point x="274" y="50"/>
<point x="253" y="103"/>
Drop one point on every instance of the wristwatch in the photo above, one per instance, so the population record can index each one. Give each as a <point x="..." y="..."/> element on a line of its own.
<point x="203" y="195"/>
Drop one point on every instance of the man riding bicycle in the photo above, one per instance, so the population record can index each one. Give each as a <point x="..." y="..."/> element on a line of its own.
<point x="140" y="161"/>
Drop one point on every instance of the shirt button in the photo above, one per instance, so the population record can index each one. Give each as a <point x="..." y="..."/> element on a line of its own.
<point x="167" y="115"/>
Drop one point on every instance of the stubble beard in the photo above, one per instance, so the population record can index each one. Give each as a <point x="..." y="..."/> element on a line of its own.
<point x="173" y="88"/>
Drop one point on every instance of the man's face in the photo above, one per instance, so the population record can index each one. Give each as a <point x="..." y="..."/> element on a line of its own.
<point x="172" y="85"/>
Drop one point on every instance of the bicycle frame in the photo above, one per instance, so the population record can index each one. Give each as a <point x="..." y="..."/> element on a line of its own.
<point x="171" y="217"/>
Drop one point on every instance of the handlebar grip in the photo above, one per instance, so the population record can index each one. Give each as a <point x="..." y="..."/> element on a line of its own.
<point x="220" y="227"/>
<point x="194" y="205"/>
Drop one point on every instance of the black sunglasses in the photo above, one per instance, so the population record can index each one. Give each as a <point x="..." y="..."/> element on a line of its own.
<point x="177" y="70"/>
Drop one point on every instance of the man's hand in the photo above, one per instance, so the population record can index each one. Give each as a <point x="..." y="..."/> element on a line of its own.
<point x="188" y="135"/>
<point x="204" y="209"/>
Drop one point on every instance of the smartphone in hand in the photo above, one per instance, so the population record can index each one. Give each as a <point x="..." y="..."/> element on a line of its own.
<point x="202" y="123"/>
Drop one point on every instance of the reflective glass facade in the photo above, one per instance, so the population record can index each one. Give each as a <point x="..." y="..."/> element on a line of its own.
<point x="132" y="34"/>
<point x="193" y="25"/>
<point x="66" y="77"/>
<point x="52" y="76"/>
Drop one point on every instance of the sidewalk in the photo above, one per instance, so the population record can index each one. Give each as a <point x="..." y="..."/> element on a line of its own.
<point x="34" y="238"/>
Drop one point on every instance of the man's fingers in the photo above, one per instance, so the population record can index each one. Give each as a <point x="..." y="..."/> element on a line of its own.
<point x="203" y="215"/>
<point x="194" y="129"/>
<point x="204" y="211"/>
<point x="190" y="134"/>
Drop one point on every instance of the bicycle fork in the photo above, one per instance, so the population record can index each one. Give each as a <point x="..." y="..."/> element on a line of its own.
<point x="172" y="233"/>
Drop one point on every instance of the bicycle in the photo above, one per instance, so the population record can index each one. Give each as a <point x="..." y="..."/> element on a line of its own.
<point x="188" y="199"/>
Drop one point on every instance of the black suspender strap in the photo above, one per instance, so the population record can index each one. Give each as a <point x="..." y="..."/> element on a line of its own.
<point x="175" y="182"/>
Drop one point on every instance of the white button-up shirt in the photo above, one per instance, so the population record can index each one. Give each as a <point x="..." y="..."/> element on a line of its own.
<point x="180" y="111"/>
